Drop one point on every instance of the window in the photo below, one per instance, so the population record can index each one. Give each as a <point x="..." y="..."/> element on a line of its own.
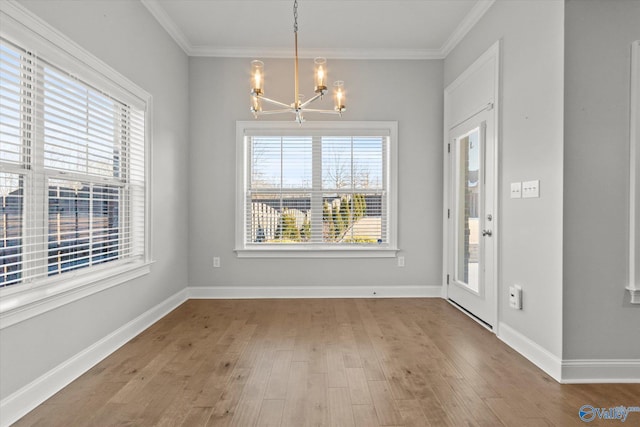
<point x="72" y="169"/>
<point x="320" y="189"/>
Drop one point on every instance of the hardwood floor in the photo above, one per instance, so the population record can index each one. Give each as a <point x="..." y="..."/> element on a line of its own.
<point x="338" y="362"/>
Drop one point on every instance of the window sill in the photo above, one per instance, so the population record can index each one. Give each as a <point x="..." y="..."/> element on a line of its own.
<point x="25" y="304"/>
<point x="283" y="252"/>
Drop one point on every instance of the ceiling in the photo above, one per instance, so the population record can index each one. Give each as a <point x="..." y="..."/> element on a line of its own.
<point x="355" y="29"/>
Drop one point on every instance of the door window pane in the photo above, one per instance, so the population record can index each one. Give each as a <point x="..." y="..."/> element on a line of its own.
<point x="468" y="210"/>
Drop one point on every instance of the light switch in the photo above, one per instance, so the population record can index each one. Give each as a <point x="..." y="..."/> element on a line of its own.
<point x="516" y="190"/>
<point x="530" y="189"/>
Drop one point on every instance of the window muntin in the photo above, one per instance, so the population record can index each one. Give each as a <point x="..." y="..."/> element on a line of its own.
<point x="316" y="189"/>
<point x="72" y="172"/>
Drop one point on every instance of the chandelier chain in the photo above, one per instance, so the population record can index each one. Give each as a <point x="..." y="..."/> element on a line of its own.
<point x="295" y="16"/>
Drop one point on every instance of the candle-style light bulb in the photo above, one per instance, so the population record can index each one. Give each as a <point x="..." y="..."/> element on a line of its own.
<point x="320" y="73"/>
<point x="339" y="96"/>
<point x="257" y="77"/>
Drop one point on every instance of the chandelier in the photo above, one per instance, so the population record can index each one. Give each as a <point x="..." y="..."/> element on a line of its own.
<point x="298" y="107"/>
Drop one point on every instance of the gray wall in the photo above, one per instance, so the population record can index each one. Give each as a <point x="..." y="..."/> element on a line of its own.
<point x="599" y="322"/>
<point x="407" y="91"/>
<point x="530" y="148"/>
<point x="125" y="36"/>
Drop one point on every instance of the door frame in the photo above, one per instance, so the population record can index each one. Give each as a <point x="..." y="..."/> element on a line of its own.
<point x="487" y="98"/>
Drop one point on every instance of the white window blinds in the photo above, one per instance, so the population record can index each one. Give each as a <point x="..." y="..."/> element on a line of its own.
<point x="319" y="188"/>
<point x="72" y="171"/>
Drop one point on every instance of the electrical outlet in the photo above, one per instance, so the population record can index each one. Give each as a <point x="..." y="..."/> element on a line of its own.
<point x="515" y="297"/>
<point x="401" y="261"/>
<point x="216" y="262"/>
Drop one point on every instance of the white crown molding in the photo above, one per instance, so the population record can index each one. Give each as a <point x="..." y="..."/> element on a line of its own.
<point x="158" y="12"/>
<point x="472" y="18"/>
<point x="287" y="52"/>
<point x="181" y="39"/>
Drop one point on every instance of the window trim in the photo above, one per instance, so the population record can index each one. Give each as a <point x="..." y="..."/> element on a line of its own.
<point x="634" y="177"/>
<point x="246" y="128"/>
<point x="28" y="300"/>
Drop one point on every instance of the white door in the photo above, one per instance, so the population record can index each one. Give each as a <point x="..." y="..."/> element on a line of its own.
<point x="471" y="217"/>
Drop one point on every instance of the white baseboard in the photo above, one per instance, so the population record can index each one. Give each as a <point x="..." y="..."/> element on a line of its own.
<point x="537" y="355"/>
<point x="585" y="371"/>
<point x="266" y="292"/>
<point x="19" y="403"/>
<point x="577" y="371"/>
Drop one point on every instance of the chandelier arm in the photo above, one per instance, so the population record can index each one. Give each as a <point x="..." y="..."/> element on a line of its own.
<point x="266" y="112"/>
<point x="309" y="101"/>
<point x="274" y="102"/>
<point x="311" y="110"/>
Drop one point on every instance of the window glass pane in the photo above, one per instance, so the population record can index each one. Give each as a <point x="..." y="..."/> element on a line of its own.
<point x="83" y="225"/>
<point x="279" y="162"/>
<point x="81" y="127"/>
<point x="279" y="218"/>
<point x="10" y="105"/>
<point x="336" y="163"/>
<point x="12" y="192"/>
<point x="105" y="223"/>
<point x="296" y="162"/>
<point x="352" y="218"/>
<point x="354" y="163"/>
<point x="468" y="232"/>
<point x="368" y="162"/>
<point x="265" y="162"/>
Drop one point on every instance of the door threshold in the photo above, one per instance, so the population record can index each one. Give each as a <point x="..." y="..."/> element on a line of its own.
<point x="471" y="315"/>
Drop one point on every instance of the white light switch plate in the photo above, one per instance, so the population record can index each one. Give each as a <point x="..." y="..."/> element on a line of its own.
<point x="530" y="189"/>
<point x="516" y="190"/>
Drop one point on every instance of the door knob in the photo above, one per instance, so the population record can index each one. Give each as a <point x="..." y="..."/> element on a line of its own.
<point x="487" y="233"/>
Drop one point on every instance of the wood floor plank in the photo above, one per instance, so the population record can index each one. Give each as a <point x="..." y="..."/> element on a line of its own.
<point x="316" y="410"/>
<point x="358" y="386"/>
<point x="412" y="414"/>
<point x="270" y="413"/>
<point x="363" y="363"/>
<point x="248" y="408"/>
<point x="279" y="376"/>
<point x="196" y="416"/>
<point x="384" y="404"/>
<point x="340" y="407"/>
<point x="293" y="414"/>
<point x="336" y="374"/>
